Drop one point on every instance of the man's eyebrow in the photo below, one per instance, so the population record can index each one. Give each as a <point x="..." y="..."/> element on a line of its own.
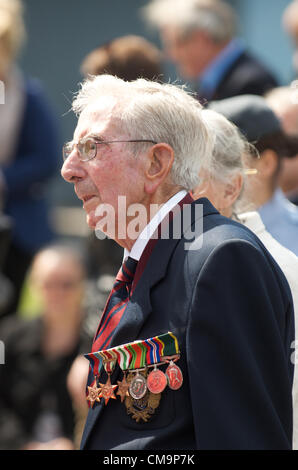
<point x="95" y="137"/>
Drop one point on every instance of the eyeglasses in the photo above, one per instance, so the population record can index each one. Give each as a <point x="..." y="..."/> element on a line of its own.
<point x="66" y="285"/>
<point x="87" y="148"/>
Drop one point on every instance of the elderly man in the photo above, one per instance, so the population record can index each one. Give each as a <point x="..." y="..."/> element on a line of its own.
<point x="200" y="37"/>
<point x="193" y="347"/>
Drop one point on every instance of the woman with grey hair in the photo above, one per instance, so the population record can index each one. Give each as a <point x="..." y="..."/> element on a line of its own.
<point x="222" y="182"/>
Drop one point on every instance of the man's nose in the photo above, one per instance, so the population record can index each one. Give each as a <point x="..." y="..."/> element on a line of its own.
<point x="72" y="169"/>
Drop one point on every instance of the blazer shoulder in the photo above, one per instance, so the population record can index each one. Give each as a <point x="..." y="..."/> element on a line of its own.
<point x="219" y="235"/>
<point x="246" y="75"/>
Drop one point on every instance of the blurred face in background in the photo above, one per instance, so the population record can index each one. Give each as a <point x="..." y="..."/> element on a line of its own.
<point x="191" y="53"/>
<point x="290" y="24"/>
<point x="59" y="280"/>
<point x="288" y="178"/>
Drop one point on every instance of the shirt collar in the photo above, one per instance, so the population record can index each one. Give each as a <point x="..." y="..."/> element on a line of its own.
<point x="215" y="71"/>
<point x="253" y="221"/>
<point x="142" y="240"/>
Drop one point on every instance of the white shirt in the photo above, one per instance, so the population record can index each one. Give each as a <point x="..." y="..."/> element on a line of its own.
<point x="144" y="237"/>
<point x="288" y="262"/>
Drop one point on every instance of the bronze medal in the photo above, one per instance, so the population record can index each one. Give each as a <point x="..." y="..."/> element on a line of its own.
<point x="138" y="386"/>
<point x="156" y="381"/>
<point x="122" y="388"/>
<point x="93" y="394"/>
<point x="107" y="390"/>
<point x="175" y="377"/>
<point x="141" y="409"/>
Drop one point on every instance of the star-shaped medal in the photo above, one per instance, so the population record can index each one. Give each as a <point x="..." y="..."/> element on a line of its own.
<point x="123" y="387"/>
<point x="93" y="394"/>
<point x="107" y="390"/>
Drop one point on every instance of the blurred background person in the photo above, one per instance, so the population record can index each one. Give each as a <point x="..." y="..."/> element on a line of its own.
<point x="290" y="24"/>
<point x="128" y="57"/>
<point x="6" y="288"/>
<point x="28" y="152"/>
<point x="35" y="406"/>
<point x="222" y="183"/>
<point x="199" y="36"/>
<point x="284" y="102"/>
<point x="252" y="115"/>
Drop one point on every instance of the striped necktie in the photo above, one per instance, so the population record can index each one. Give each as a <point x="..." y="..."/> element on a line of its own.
<point x="115" y="306"/>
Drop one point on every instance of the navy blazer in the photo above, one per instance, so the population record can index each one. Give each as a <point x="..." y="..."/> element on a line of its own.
<point x="230" y="307"/>
<point x="245" y="76"/>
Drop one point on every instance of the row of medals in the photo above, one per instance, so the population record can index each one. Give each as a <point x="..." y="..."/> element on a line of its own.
<point x="140" y="391"/>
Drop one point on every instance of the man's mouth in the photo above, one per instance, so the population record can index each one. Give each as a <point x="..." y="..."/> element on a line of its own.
<point x="87" y="198"/>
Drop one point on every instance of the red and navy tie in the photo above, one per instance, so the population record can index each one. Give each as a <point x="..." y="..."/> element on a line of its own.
<point x="115" y="305"/>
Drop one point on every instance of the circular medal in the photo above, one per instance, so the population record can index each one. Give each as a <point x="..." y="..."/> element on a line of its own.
<point x="138" y="387"/>
<point x="156" y="381"/>
<point x="175" y="376"/>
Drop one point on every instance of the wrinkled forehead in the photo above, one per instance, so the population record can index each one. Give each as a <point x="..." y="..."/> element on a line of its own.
<point x="172" y="34"/>
<point x="49" y="264"/>
<point x="97" y="118"/>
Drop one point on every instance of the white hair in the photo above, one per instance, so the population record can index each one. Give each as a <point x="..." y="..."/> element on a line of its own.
<point x="231" y="155"/>
<point x="283" y="101"/>
<point x="159" y="112"/>
<point x="215" y="17"/>
<point x="282" y="98"/>
<point x="229" y="147"/>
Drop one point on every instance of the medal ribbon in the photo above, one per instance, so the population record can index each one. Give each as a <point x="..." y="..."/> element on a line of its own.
<point x="95" y="363"/>
<point x="121" y="357"/>
<point x="133" y="355"/>
<point x="139" y="355"/>
<point x="152" y="356"/>
<point x="128" y="355"/>
<point x="170" y="344"/>
<point x="177" y="351"/>
<point x="143" y="354"/>
<point x="160" y="344"/>
<point x="109" y="360"/>
<point x="126" y="358"/>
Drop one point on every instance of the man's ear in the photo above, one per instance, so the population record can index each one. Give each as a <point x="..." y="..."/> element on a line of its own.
<point x="268" y="164"/>
<point x="231" y="192"/>
<point x="159" y="163"/>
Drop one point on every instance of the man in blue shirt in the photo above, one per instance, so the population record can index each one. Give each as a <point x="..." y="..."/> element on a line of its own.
<point x="200" y="37"/>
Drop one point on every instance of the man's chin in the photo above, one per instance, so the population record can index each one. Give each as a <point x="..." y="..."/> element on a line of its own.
<point x="91" y="221"/>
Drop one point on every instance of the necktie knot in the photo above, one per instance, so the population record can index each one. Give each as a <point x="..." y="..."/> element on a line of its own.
<point x="127" y="271"/>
